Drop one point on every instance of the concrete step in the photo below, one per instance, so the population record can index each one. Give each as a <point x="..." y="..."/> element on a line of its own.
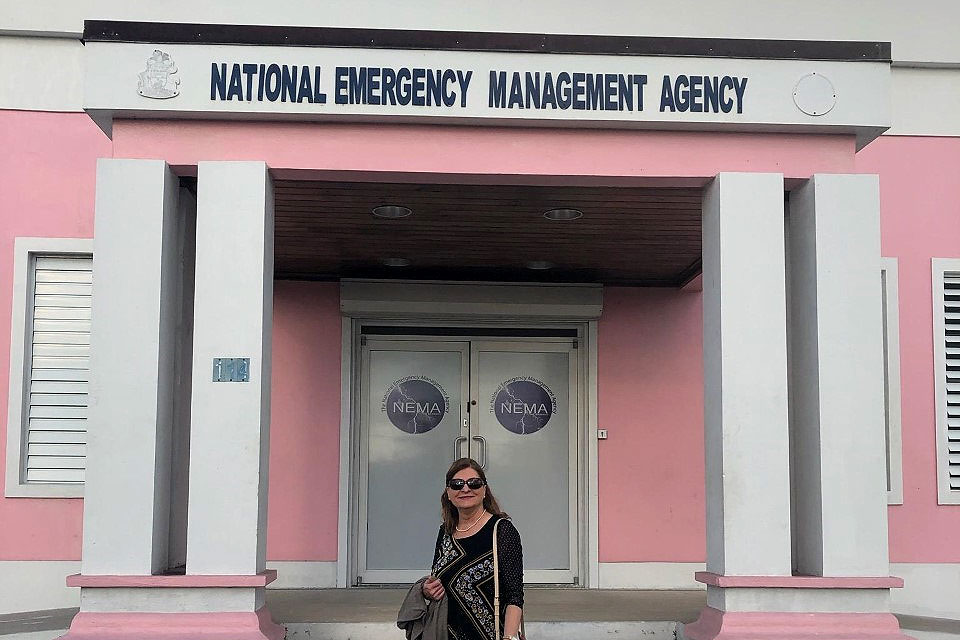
<point x="622" y="630"/>
<point x="371" y="605"/>
<point x="388" y="631"/>
<point x="558" y="614"/>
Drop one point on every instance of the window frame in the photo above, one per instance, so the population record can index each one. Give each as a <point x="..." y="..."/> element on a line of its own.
<point x="939" y="267"/>
<point x="891" y="325"/>
<point x="25" y="252"/>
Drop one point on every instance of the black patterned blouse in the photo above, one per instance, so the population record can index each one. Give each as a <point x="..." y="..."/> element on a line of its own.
<point x="465" y="567"/>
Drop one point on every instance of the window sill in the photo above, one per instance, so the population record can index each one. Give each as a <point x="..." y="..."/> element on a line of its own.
<point x="43" y="491"/>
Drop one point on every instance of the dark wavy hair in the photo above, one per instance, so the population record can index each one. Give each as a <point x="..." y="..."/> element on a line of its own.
<point x="450" y="514"/>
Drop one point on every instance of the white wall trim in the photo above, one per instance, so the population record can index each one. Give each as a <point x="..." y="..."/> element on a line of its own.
<point x="930" y="589"/>
<point x="650" y="575"/>
<point x="346" y="450"/>
<point x="35" y="585"/>
<point x="891" y="326"/>
<point x="24" y="251"/>
<point x="893" y="21"/>
<point x="304" y="575"/>
<point x="470" y="300"/>
<point x="49" y="76"/>
<point x="593" y="467"/>
<point x="939" y="267"/>
<point x="923" y="102"/>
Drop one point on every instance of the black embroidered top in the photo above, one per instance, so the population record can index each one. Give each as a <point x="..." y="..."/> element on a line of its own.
<point x="465" y="567"/>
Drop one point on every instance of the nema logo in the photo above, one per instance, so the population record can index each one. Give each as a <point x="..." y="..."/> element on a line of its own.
<point x="523" y="405"/>
<point x="415" y="404"/>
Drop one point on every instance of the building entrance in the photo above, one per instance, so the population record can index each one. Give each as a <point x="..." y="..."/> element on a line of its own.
<point x="511" y="404"/>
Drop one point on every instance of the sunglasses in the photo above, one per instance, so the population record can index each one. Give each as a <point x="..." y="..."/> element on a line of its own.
<point x="458" y="483"/>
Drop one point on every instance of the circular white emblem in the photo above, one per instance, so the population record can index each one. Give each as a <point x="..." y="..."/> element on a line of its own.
<point x="814" y="94"/>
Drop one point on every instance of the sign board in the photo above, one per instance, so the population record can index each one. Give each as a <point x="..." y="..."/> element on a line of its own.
<point x="231" y="370"/>
<point x="484" y="87"/>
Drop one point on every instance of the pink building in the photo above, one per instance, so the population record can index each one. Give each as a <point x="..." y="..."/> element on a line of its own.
<point x="690" y="294"/>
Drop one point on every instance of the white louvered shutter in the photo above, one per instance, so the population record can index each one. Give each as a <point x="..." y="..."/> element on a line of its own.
<point x="951" y="345"/>
<point x="59" y="373"/>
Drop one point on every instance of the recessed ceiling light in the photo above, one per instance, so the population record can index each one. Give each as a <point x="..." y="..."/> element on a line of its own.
<point x="391" y="211"/>
<point x="563" y="214"/>
<point x="396" y="262"/>
<point x="539" y="265"/>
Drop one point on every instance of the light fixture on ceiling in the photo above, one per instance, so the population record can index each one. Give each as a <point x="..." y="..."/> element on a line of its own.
<point x="396" y="262"/>
<point x="391" y="211"/>
<point x="539" y="265"/>
<point x="563" y="214"/>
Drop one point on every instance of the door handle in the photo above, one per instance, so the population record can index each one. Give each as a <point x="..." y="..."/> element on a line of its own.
<point x="456" y="447"/>
<point x="483" y="447"/>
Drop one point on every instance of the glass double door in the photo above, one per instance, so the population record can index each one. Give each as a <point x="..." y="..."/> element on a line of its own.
<point x="510" y="405"/>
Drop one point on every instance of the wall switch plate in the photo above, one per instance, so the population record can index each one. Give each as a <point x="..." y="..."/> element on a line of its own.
<point x="601" y="434"/>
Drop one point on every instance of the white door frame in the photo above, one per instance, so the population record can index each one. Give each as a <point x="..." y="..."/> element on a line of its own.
<point x="589" y="569"/>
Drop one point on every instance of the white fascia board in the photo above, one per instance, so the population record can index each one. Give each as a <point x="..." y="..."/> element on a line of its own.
<point x="764" y="95"/>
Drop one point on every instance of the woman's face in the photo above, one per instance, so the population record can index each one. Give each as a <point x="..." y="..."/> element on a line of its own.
<point x="466" y="498"/>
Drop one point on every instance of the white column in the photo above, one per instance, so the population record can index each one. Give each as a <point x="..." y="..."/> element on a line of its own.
<point x="837" y="376"/>
<point x="132" y="346"/>
<point x="745" y="376"/>
<point x="233" y="310"/>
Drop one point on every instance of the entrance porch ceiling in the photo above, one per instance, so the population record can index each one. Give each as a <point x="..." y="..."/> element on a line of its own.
<point x="637" y="236"/>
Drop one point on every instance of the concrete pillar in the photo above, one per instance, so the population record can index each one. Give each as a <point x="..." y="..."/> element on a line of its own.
<point x="222" y="593"/>
<point x="836" y="412"/>
<point x="745" y="376"/>
<point x="837" y="377"/>
<point x="132" y="346"/>
<point x="233" y="311"/>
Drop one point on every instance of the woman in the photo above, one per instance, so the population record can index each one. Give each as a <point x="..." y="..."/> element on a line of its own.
<point x="463" y="559"/>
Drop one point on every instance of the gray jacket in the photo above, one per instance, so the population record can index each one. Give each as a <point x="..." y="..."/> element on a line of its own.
<point x="422" y="619"/>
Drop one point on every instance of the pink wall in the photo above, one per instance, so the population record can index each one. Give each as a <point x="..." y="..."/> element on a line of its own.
<point x="47" y="179"/>
<point x="305" y="422"/>
<point x="656" y="428"/>
<point x="497" y="154"/>
<point x="48" y="174"/>
<point x="920" y="215"/>
<point x="651" y="467"/>
<point x="651" y="403"/>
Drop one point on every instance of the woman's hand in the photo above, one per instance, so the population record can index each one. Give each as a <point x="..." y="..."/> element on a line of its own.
<point x="433" y="588"/>
<point x="511" y="623"/>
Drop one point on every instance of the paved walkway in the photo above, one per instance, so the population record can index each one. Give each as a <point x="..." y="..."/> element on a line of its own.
<point x="36" y="621"/>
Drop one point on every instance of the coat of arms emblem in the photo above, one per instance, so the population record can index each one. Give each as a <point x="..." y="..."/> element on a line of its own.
<point x="159" y="79"/>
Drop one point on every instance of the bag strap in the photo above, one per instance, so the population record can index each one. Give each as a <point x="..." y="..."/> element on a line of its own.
<point x="496" y="582"/>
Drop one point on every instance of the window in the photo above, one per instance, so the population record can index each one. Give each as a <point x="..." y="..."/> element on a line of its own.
<point x="946" y="356"/>
<point x="891" y="378"/>
<point x="49" y="367"/>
